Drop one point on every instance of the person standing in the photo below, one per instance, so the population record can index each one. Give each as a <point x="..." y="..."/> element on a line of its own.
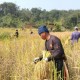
<point x="75" y="36"/>
<point x="16" y="34"/>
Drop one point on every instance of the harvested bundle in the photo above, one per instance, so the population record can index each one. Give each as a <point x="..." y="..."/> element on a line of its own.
<point x="47" y="71"/>
<point x="43" y="70"/>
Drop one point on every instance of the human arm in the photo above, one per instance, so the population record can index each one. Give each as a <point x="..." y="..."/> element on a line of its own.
<point x="71" y="37"/>
<point x="37" y="59"/>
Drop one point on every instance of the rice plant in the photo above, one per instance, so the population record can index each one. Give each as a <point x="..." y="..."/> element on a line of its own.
<point x="17" y="54"/>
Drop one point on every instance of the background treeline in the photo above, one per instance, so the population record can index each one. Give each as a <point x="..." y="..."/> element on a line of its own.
<point x="12" y="16"/>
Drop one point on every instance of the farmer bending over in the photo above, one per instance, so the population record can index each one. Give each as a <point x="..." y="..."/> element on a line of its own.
<point x="54" y="46"/>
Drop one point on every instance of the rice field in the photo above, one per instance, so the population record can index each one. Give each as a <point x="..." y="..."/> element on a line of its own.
<point x="17" y="54"/>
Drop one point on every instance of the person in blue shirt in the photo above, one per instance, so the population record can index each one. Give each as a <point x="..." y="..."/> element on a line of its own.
<point x="75" y="36"/>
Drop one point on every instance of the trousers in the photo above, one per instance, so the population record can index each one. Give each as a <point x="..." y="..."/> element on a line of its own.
<point x="59" y="69"/>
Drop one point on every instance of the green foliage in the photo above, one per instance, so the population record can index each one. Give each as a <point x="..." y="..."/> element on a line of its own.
<point x="58" y="28"/>
<point x="4" y="36"/>
<point x="12" y="16"/>
<point x="8" y="8"/>
<point x="6" y="20"/>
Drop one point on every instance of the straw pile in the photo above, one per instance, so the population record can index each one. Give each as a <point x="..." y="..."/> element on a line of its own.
<point x="43" y="70"/>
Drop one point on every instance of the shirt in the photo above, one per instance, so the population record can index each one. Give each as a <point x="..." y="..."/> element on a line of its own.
<point x="75" y="35"/>
<point x="55" y="47"/>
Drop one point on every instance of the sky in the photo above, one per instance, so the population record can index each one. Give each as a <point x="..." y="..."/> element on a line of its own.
<point x="46" y="4"/>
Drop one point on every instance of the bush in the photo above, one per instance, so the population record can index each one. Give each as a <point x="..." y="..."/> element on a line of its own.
<point x="5" y="35"/>
<point x="58" y="28"/>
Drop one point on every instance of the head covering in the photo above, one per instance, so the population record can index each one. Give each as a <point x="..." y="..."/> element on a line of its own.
<point x="42" y="29"/>
<point x="76" y="28"/>
<point x="16" y="29"/>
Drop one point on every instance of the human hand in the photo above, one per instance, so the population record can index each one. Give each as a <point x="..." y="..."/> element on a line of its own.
<point x="46" y="59"/>
<point x="36" y="60"/>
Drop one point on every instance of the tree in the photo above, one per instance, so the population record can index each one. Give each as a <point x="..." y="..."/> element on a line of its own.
<point x="12" y="16"/>
<point x="25" y="15"/>
<point x="10" y="8"/>
<point x="35" y="14"/>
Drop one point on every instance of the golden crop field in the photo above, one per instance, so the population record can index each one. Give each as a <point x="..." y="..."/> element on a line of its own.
<point x="17" y="55"/>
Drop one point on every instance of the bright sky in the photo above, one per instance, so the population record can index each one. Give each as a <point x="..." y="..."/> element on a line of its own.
<point x="46" y="4"/>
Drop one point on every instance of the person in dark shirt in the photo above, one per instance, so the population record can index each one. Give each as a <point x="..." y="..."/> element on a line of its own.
<point x="75" y="36"/>
<point x="31" y="32"/>
<point x="54" y="46"/>
<point x="16" y="34"/>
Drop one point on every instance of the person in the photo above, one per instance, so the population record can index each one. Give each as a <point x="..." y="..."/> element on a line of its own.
<point x="54" y="46"/>
<point x="75" y="35"/>
<point x="16" y="34"/>
<point x="31" y="32"/>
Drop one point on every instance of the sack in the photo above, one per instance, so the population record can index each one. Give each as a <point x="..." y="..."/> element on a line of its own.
<point x="66" y="72"/>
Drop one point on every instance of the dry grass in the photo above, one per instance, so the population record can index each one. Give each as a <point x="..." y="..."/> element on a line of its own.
<point x="43" y="71"/>
<point x="16" y="55"/>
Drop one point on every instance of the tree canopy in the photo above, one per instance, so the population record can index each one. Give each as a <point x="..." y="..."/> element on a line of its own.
<point x="12" y="16"/>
